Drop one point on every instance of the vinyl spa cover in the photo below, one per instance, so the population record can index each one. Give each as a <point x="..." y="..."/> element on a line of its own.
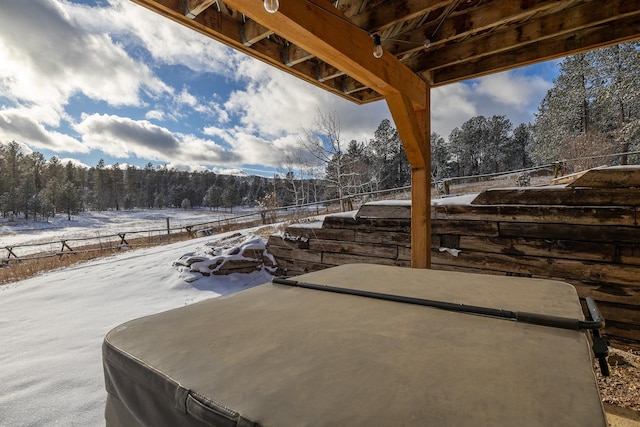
<point x="278" y="355"/>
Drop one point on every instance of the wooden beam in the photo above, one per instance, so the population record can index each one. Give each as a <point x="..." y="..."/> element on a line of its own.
<point x="420" y="218"/>
<point x="194" y="8"/>
<point x="323" y="33"/>
<point x="421" y="214"/>
<point x="252" y="32"/>
<point x="410" y="130"/>
<point x="414" y="129"/>
<point x="492" y="14"/>
<point x="292" y="55"/>
<point x="377" y="17"/>
<point x="495" y="13"/>
<point x="550" y="26"/>
<point x="587" y="39"/>
<point x="227" y="30"/>
<point x="326" y="72"/>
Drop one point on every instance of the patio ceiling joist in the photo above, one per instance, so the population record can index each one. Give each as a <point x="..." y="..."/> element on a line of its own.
<point x="533" y="40"/>
<point x="468" y="38"/>
<point x="324" y="34"/>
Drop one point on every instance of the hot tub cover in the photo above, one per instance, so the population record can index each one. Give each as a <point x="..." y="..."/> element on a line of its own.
<point x="281" y="356"/>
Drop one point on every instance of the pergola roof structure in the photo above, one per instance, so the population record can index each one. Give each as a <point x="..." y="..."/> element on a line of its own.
<point x="426" y="43"/>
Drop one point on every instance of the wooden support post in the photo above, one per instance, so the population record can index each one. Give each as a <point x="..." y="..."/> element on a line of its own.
<point x="420" y="218"/>
<point x="421" y="195"/>
<point x="414" y="128"/>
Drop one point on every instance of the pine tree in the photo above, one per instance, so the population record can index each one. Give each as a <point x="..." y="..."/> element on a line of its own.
<point x="12" y="156"/>
<point x="440" y="157"/>
<point x="68" y="198"/>
<point x="593" y="108"/>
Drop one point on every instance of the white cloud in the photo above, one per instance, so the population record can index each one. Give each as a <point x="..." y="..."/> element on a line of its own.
<point x="155" y="115"/>
<point x="205" y="152"/>
<point x="19" y="125"/>
<point x="186" y="166"/>
<point x="358" y="122"/>
<point x="512" y="89"/>
<point x="450" y="107"/>
<point x="121" y="137"/>
<point x="167" y="41"/>
<point x="185" y="98"/>
<point x="216" y="131"/>
<point x="58" y="59"/>
<point x="509" y="94"/>
<point x="257" y="151"/>
<point x="230" y="171"/>
<point x="273" y="103"/>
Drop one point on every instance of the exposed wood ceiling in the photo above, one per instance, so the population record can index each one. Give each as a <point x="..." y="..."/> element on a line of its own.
<point x="468" y="38"/>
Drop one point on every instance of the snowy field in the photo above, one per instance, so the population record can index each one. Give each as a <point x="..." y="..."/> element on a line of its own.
<point x="91" y="224"/>
<point x="52" y="326"/>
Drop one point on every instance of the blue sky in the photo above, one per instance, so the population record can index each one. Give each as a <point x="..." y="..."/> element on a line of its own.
<point x="85" y="80"/>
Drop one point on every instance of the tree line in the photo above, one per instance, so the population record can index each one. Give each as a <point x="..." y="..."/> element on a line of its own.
<point x="39" y="188"/>
<point x="591" y="113"/>
<point x="593" y="109"/>
<point x="35" y="188"/>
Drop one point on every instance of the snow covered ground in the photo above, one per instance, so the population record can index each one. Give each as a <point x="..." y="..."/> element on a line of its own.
<point x="52" y="326"/>
<point x="90" y="224"/>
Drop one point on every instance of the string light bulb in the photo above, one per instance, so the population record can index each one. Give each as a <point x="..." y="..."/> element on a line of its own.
<point x="426" y="44"/>
<point x="271" y="6"/>
<point x="377" y="46"/>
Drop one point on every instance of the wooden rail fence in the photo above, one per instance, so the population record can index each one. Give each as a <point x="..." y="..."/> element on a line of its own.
<point x="132" y="239"/>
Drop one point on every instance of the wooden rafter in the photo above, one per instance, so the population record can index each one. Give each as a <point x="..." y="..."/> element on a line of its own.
<point x="227" y="29"/>
<point x="193" y="8"/>
<point x="251" y="32"/>
<point x="593" y="36"/>
<point x="464" y="25"/>
<point x="377" y="19"/>
<point x="323" y="33"/>
<point x="477" y="37"/>
<point x="292" y="55"/>
<point x="527" y="41"/>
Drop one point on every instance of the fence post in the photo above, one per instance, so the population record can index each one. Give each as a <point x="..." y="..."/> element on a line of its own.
<point x="64" y="245"/>
<point x="168" y="230"/>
